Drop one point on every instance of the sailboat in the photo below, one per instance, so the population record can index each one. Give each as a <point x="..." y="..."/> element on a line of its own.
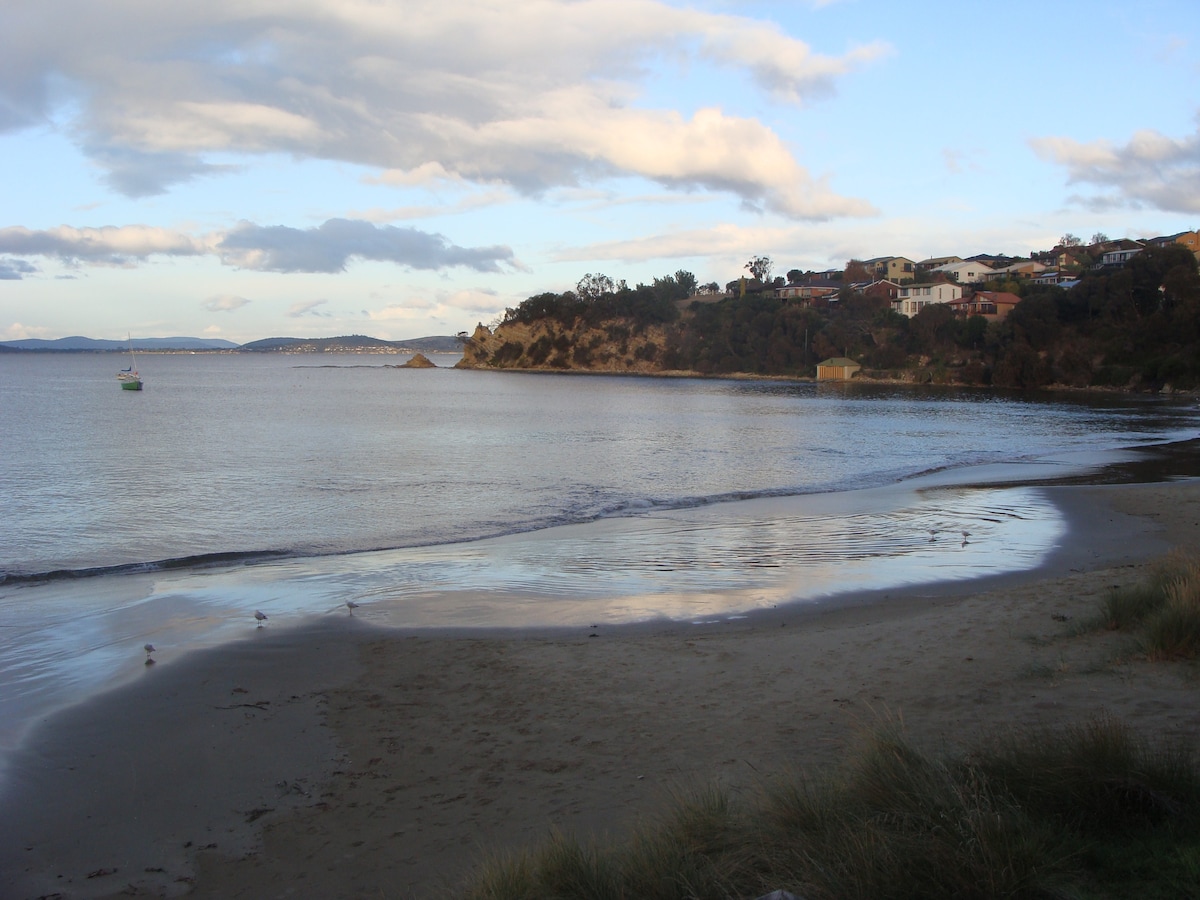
<point x="129" y="378"/>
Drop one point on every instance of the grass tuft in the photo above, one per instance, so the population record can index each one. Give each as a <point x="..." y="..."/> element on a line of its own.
<point x="1089" y="810"/>
<point x="1173" y="630"/>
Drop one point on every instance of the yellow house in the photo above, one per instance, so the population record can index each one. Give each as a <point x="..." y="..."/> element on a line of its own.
<point x="837" y="369"/>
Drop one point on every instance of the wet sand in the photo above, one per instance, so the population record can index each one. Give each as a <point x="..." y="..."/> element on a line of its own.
<point x="346" y="761"/>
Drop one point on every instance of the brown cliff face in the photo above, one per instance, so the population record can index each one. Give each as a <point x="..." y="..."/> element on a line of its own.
<point x="614" y="346"/>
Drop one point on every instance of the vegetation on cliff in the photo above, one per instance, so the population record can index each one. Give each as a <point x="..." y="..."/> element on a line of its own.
<point x="1135" y="326"/>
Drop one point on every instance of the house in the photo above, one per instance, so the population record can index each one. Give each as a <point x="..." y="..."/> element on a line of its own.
<point x="992" y="305"/>
<point x="1121" y="252"/>
<point x="1062" y="257"/>
<point x="1189" y="239"/>
<point x="837" y="369"/>
<point x="1052" y="276"/>
<point x="933" y="262"/>
<point x="912" y="298"/>
<point x="1022" y="268"/>
<point x="891" y="268"/>
<point x="966" y="272"/>
<point x="804" y="293"/>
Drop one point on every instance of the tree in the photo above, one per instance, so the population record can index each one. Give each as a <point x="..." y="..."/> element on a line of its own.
<point x="687" y="282"/>
<point x="1070" y="240"/>
<point x="856" y="270"/>
<point x="760" y="268"/>
<point x="592" y="287"/>
<point x="1099" y="238"/>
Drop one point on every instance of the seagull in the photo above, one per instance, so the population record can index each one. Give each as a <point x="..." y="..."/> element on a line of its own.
<point x="260" y="615"/>
<point x="149" y="649"/>
<point x="352" y="606"/>
<point x="149" y="659"/>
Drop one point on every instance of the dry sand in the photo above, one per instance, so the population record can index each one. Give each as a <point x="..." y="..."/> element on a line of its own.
<point x="348" y="762"/>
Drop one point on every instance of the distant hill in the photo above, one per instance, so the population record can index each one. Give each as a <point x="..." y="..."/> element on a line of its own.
<point x="353" y="343"/>
<point x="92" y="344"/>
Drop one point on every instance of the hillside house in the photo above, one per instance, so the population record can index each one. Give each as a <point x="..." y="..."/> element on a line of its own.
<point x="992" y="305"/>
<point x="927" y="265"/>
<point x="1022" y="268"/>
<point x="1121" y="253"/>
<point x="966" y="272"/>
<point x="912" y="298"/>
<point x="802" y="294"/>
<point x="1189" y="239"/>
<point x="891" y="268"/>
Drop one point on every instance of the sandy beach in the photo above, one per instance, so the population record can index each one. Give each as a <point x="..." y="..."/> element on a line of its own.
<point x="348" y="761"/>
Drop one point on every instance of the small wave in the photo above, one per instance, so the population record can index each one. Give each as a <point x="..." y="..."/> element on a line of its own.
<point x="196" y="561"/>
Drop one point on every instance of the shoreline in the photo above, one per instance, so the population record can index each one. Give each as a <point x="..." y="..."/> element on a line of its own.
<point x="343" y="759"/>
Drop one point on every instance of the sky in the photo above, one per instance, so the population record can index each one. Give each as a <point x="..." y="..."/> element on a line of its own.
<point x="243" y="169"/>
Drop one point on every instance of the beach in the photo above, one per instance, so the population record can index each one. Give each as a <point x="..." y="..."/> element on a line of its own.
<point x="345" y="760"/>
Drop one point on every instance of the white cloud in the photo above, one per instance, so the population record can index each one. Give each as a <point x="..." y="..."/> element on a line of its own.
<point x="224" y="303"/>
<point x="107" y="245"/>
<point x="302" y="308"/>
<point x="1151" y="170"/>
<point x="327" y="248"/>
<point x="18" y="332"/>
<point x="277" y="248"/>
<point x="532" y="94"/>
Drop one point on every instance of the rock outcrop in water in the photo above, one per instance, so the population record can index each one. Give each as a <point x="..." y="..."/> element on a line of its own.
<point x="420" y="361"/>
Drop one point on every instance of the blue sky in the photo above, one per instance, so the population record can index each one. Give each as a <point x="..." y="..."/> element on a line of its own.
<point x="400" y="168"/>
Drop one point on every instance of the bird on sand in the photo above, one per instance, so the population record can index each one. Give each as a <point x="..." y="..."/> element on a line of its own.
<point x="149" y="648"/>
<point x="352" y="606"/>
<point x="260" y="615"/>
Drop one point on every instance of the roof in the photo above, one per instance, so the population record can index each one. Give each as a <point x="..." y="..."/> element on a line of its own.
<point x="839" y="362"/>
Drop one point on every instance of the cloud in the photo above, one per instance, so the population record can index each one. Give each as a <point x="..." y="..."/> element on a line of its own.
<point x="327" y="248"/>
<point x="528" y="93"/>
<point x="1151" y="170"/>
<point x="18" y="332"/>
<point x="270" y="248"/>
<point x="15" y="269"/>
<point x="300" y="309"/>
<point x="224" y="303"/>
<point x="108" y="245"/>
<point x="469" y="203"/>
<point x="718" y="241"/>
<point x="136" y="173"/>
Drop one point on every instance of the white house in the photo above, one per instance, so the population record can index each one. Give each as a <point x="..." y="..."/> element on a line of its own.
<point x="915" y="297"/>
<point x="967" y="272"/>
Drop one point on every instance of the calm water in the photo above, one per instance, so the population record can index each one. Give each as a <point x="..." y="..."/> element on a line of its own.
<point x="236" y="454"/>
<point x="439" y="497"/>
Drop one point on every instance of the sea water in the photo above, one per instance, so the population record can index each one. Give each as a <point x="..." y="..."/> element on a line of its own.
<point x="292" y="484"/>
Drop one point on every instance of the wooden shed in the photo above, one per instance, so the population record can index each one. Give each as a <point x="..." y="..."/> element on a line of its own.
<point x="837" y="369"/>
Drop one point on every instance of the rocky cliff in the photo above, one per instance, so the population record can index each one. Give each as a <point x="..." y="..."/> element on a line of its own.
<point x="614" y="346"/>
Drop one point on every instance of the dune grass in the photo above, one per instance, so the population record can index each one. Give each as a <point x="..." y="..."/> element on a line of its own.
<point x="1163" y="611"/>
<point x="1089" y="811"/>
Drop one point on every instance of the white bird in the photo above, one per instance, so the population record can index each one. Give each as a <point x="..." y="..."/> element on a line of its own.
<point x="352" y="606"/>
<point x="149" y="649"/>
<point x="260" y="615"/>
